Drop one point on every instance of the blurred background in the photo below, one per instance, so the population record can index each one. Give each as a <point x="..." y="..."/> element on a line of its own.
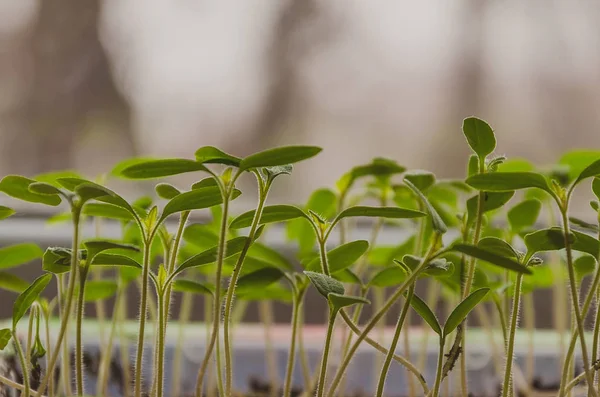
<point x="85" y="83"/>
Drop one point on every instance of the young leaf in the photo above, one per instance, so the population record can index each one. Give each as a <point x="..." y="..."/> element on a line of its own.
<point x="420" y="179"/>
<point x="341" y="257"/>
<point x="27" y="297"/>
<point x="524" y="215"/>
<point x="18" y="254"/>
<point x="166" y="191"/>
<point x="88" y="190"/>
<point x="10" y="282"/>
<point x="105" y="210"/>
<point x="193" y="287"/>
<point x="577" y="160"/>
<point x="115" y="260"/>
<point x="473" y="165"/>
<point x="212" y="155"/>
<point x="270" y="214"/>
<point x="584" y="265"/>
<point x="17" y="186"/>
<point x="94" y="247"/>
<point x="379" y="167"/>
<point x="551" y="239"/>
<point x="258" y="279"/>
<point x="338" y="301"/>
<point x="426" y="314"/>
<point x="461" y="311"/>
<point x="498" y="246"/>
<point x="206" y="182"/>
<point x="160" y="168"/>
<point x="382" y="212"/>
<point x="325" y="284"/>
<point x="438" y="224"/>
<point x="480" y="136"/>
<point x="44" y="188"/>
<point x="56" y="260"/>
<point x="273" y="172"/>
<point x="5" y="335"/>
<point x="233" y="247"/>
<point x="596" y="187"/>
<point x="388" y="277"/>
<point x="491" y="201"/>
<point x="193" y="200"/>
<point x="279" y="156"/>
<point x="96" y="290"/>
<point x="490" y="257"/>
<point x="5" y="212"/>
<point x="505" y="181"/>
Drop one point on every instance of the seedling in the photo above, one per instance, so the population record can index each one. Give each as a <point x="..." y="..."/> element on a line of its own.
<point x="483" y="239"/>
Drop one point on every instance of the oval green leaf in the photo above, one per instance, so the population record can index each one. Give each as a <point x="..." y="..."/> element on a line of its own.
<point x="5" y="336"/>
<point x="420" y="179"/>
<point x="212" y="155"/>
<point x="166" y="191"/>
<point x="480" y="136"/>
<point x="389" y="277"/>
<point x="27" y="297"/>
<point x="5" y="212"/>
<point x="160" y="168"/>
<point x="44" y="188"/>
<point x="10" y="282"/>
<point x="426" y="314"/>
<point x="498" y="246"/>
<point x="463" y="309"/>
<point x="270" y="214"/>
<point x="279" y="156"/>
<point x="258" y="279"/>
<point x="115" y="260"/>
<point x="438" y="224"/>
<point x="341" y="257"/>
<point x="18" y="254"/>
<point x="325" y="284"/>
<point x="17" y="186"/>
<point x="491" y="201"/>
<point x="590" y="171"/>
<point x="105" y="210"/>
<point x="96" y="290"/>
<point x="193" y="287"/>
<point x="491" y="257"/>
<point x="338" y="301"/>
<point x="381" y="212"/>
<point x="550" y="239"/>
<point x="505" y="181"/>
<point x="524" y="215"/>
<point x="193" y="200"/>
<point x="233" y="247"/>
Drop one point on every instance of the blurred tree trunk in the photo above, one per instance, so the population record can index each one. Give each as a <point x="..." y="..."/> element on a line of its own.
<point x="71" y="86"/>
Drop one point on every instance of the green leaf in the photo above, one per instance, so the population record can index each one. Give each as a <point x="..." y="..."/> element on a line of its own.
<point x="5" y="212"/>
<point x="516" y="165"/>
<point x="274" y="292"/>
<point x="473" y="165"/>
<point x="96" y="246"/>
<point x="379" y="167"/>
<point x="270" y="255"/>
<point x="426" y="314"/>
<point x="381" y="212"/>
<point x="27" y="297"/>
<point x="505" y="181"/>
<point x="44" y="188"/>
<point x="596" y="187"/>
<point x="524" y="215"/>
<point x="17" y="186"/>
<point x="590" y="171"/>
<point x="258" y="279"/>
<point x="18" y="254"/>
<point x="105" y="210"/>
<point x="56" y="260"/>
<point x="115" y="260"/>
<point x="438" y="224"/>
<point x="491" y="257"/>
<point x="193" y="287"/>
<point x="578" y="160"/>
<point x="279" y="156"/>
<point x="337" y="301"/>
<point x="325" y="284"/>
<point x="586" y="243"/>
<point x="89" y="190"/>
<point x="498" y="246"/>
<point x="193" y="200"/>
<point x="5" y="336"/>
<point x="388" y="277"/>
<point x="551" y="239"/>
<point x="233" y="247"/>
<point x="341" y="257"/>
<point x="420" y="179"/>
<point x="461" y="311"/>
<point x="270" y="214"/>
<point x="53" y="176"/>
<point x="96" y="290"/>
<point x="160" y="168"/>
<point x="273" y="172"/>
<point x="347" y="276"/>
<point x="584" y="265"/>
<point x="491" y="201"/>
<point x="583" y="224"/>
<point x="206" y="182"/>
<point x="10" y="282"/>
<point x="480" y="136"/>
<point x="212" y="155"/>
<point x="202" y="236"/>
<point x="166" y="191"/>
<point x="120" y="166"/>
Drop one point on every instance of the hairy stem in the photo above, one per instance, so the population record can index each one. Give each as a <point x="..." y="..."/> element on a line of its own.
<point x="105" y="359"/>
<point x="76" y="211"/>
<point x="78" y="341"/>
<point x="296" y="306"/>
<point x="438" y="374"/>
<point x="23" y="362"/>
<point x="323" y="372"/>
<point x="392" y="349"/>
<point x="139" y="357"/>
<point x="160" y="348"/>
<point x="506" y="386"/>
<point x="184" y="316"/>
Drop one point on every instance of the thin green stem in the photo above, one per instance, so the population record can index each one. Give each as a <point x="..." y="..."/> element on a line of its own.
<point x="105" y="359"/>
<point x="160" y="357"/>
<point x="262" y="192"/>
<point x="23" y="362"/>
<point x="78" y="340"/>
<point x="392" y="349"/>
<point x="184" y="316"/>
<point x="10" y="383"/>
<point x="124" y="349"/>
<point x="287" y="384"/>
<point x="76" y="211"/>
<point x="576" y="380"/>
<point x="29" y="345"/>
<point x="438" y="373"/>
<point x="266" y="317"/>
<point x="323" y="373"/>
<point x="47" y="316"/>
<point x="506" y="386"/>
<point x="375" y="319"/>
<point x="596" y="334"/>
<point x="575" y="301"/>
<point x="139" y="357"/>
<point x="302" y="349"/>
<point x="216" y="301"/>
